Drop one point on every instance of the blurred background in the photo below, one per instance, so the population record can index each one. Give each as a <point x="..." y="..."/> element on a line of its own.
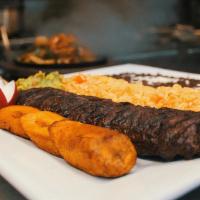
<point x="153" y="32"/>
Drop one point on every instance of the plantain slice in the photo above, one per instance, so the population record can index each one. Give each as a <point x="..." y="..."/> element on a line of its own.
<point x="95" y="150"/>
<point x="10" y="118"/>
<point x="36" y="126"/>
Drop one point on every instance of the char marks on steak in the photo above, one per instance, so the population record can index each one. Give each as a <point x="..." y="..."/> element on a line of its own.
<point x="166" y="133"/>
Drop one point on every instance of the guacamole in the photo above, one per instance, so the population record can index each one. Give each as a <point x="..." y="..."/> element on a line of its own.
<point x="40" y="79"/>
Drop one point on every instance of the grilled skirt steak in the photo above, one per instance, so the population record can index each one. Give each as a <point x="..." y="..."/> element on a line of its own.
<point x="166" y="133"/>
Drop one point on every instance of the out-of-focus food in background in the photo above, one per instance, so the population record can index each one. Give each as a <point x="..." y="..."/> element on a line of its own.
<point x="57" y="49"/>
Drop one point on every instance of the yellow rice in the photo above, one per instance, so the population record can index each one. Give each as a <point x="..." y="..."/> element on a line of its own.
<point x="119" y="90"/>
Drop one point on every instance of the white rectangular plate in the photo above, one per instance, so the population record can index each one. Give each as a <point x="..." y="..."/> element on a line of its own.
<point x="41" y="176"/>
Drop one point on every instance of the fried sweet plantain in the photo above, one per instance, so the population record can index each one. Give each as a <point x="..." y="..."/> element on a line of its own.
<point x="10" y="118"/>
<point x="36" y="126"/>
<point x="95" y="150"/>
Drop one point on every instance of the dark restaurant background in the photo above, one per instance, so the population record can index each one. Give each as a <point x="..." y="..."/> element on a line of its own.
<point x="161" y="33"/>
<point x="152" y="32"/>
<point x="114" y="28"/>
